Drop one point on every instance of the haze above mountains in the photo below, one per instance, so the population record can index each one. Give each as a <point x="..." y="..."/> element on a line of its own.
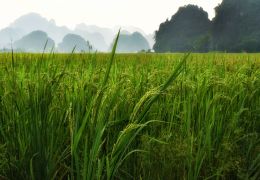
<point x="31" y="29"/>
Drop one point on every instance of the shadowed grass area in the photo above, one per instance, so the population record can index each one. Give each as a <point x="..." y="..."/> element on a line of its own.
<point x="129" y="116"/>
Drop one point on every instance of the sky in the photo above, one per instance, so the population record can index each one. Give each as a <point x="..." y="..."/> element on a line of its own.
<point x="145" y="14"/>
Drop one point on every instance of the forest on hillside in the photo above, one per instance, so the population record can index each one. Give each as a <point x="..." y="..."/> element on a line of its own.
<point x="235" y="28"/>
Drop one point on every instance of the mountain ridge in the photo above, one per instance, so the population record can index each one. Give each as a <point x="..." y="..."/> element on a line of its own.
<point x="100" y="37"/>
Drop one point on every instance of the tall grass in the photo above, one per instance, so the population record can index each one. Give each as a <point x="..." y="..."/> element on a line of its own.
<point x="130" y="116"/>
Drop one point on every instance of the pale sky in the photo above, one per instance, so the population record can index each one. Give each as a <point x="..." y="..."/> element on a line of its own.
<point x="145" y="14"/>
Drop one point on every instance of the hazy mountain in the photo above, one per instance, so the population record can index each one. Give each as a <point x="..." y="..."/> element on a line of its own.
<point x="99" y="37"/>
<point x="130" y="29"/>
<point x="34" y="42"/>
<point x="33" y="21"/>
<point x="107" y="33"/>
<point x="8" y="35"/>
<point x="125" y="32"/>
<point x="30" y="22"/>
<point x="132" y="43"/>
<point x="73" y="40"/>
<point x="94" y="38"/>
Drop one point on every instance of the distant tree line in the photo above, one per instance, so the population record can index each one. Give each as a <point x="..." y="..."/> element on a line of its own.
<point x="235" y="28"/>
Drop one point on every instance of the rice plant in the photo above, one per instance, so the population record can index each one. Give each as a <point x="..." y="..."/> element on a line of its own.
<point x="129" y="116"/>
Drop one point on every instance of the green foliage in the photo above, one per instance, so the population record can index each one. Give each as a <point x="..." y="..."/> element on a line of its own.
<point x="129" y="116"/>
<point x="236" y="26"/>
<point x="188" y="30"/>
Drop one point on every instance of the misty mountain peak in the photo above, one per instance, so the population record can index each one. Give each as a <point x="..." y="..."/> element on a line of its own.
<point x="73" y="40"/>
<point x="34" y="42"/>
<point x="30" y="21"/>
<point x="52" y="21"/>
<point x="81" y="26"/>
<point x="99" y="37"/>
<point x="134" y="42"/>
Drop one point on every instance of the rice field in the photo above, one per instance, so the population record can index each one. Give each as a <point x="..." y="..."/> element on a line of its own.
<point x="129" y="116"/>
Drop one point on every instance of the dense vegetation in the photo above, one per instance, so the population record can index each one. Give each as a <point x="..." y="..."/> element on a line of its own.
<point x="235" y="28"/>
<point x="188" y="30"/>
<point x="132" y="116"/>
